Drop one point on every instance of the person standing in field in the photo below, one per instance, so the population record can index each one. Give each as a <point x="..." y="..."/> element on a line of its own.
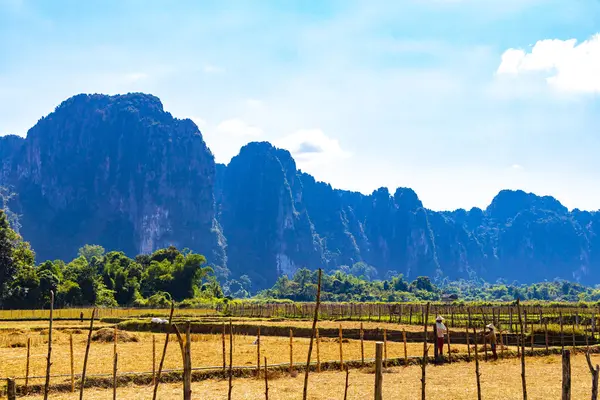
<point x="440" y="330"/>
<point x="490" y="336"/>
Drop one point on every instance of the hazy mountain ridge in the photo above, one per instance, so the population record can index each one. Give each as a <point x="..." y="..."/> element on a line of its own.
<point x="121" y="172"/>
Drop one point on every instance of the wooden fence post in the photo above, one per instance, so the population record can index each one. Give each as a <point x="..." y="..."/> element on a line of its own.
<point x="27" y="365"/>
<point x="291" y="350"/>
<point x="405" y="348"/>
<point x="258" y="354"/>
<point x="523" y="381"/>
<point x="224" y="350"/>
<point x="318" y="352"/>
<point x="378" y="371"/>
<point x="477" y="374"/>
<point x="72" y="363"/>
<point x="362" y="346"/>
<point x="266" y="381"/>
<point x="87" y="352"/>
<point x="595" y="372"/>
<point x="425" y="349"/>
<point x="49" y="359"/>
<point x="312" y="335"/>
<point x="116" y="356"/>
<point x="385" y="347"/>
<point x="230" y="360"/>
<point x="164" y="353"/>
<point x="566" y="375"/>
<point x="11" y="389"/>
<point x="346" y="388"/>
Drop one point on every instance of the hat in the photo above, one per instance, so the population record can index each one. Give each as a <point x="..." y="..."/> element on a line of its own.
<point x="491" y="327"/>
<point x="439" y="318"/>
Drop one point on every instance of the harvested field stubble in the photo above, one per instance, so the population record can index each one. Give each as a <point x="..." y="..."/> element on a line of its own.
<point x="500" y="380"/>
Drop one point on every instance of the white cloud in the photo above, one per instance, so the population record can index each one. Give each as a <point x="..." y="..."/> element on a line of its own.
<point x="312" y="147"/>
<point x="255" y="103"/>
<point x="517" y="167"/>
<point x="566" y="65"/>
<point x="238" y="128"/>
<point x="200" y="122"/>
<point x="212" y="69"/>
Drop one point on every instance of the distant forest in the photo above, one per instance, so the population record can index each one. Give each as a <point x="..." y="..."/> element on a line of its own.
<point x="110" y="279"/>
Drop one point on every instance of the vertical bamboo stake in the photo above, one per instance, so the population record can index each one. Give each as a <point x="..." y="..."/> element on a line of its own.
<point x="346" y="388"/>
<point x="405" y="349"/>
<point x="477" y="374"/>
<point x="153" y="360"/>
<point x="425" y="349"/>
<point x="523" y="381"/>
<point x="566" y="375"/>
<point x="546" y="334"/>
<point x="378" y="371"/>
<point x="266" y="381"/>
<point x="230" y="359"/>
<point x="48" y="360"/>
<point x="362" y="346"/>
<point x="27" y="365"/>
<point x="164" y="353"/>
<point x="318" y="353"/>
<point x="562" y="335"/>
<point x="258" y="354"/>
<point x="595" y="372"/>
<point x="449" y="353"/>
<point x="224" y="351"/>
<point x="385" y="347"/>
<point x="115" y="376"/>
<point x="188" y="362"/>
<point x="312" y="335"/>
<point x="72" y="363"/>
<point x="87" y="352"/>
<point x="341" y="349"/>
<point x="291" y="350"/>
<point x="468" y="326"/>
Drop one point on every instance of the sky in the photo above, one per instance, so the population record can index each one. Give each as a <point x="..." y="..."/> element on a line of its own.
<point x="457" y="99"/>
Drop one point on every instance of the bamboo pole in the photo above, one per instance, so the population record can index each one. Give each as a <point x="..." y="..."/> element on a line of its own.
<point x="27" y="366"/>
<point x="449" y="353"/>
<point x="362" y="346"/>
<point x="385" y="348"/>
<point x="291" y="350"/>
<point x="230" y="360"/>
<point x="11" y="389"/>
<point x="341" y="349"/>
<point x="523" y="381"/>
<point x="318" y="353"/>
<point x="566" y="375"/>
<point x="164" y="353"/>
<point x="116" y="356"/>
<point x="468" y="326"/>
<point x="477" y="374"/>
<point x="224" y="351"/>
<point x="378" y="371"/>
<point x="312" y="335"/>
<point x="425" y="349"/>
<point x="87" y="353"/>
<point x="405" y="349"/>
<point x="595" y="372"/>
<point x="72" y="363"/>
<point x="346" y="388"/>
<point x="266" y="381"/>
<point x="49" y="358"/>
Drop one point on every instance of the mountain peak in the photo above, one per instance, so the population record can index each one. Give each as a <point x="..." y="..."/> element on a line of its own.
<point x="509" y="203"/>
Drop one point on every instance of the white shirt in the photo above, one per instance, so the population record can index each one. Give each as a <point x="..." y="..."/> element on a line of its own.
<point x="440" y="329"/>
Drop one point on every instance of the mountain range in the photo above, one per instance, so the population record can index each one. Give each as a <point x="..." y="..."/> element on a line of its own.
<point x="122" y="172"/>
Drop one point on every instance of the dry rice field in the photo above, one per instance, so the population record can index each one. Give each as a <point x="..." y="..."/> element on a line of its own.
<point x="137" y="356"/>
<point x="499" y="380"/>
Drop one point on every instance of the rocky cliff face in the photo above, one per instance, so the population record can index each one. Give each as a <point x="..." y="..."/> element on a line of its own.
<point x="121" y="172"/>
<point x="114" y="170"/>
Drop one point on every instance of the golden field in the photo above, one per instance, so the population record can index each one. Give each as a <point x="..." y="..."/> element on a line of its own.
<point x="137" y="356"/>
<point x="499" y="380"/>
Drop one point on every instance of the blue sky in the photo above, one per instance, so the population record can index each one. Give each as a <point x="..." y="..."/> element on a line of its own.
<point x="456" y="99"/>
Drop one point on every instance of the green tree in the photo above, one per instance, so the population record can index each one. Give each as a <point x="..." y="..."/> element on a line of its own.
<point x="89" y="251"/>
